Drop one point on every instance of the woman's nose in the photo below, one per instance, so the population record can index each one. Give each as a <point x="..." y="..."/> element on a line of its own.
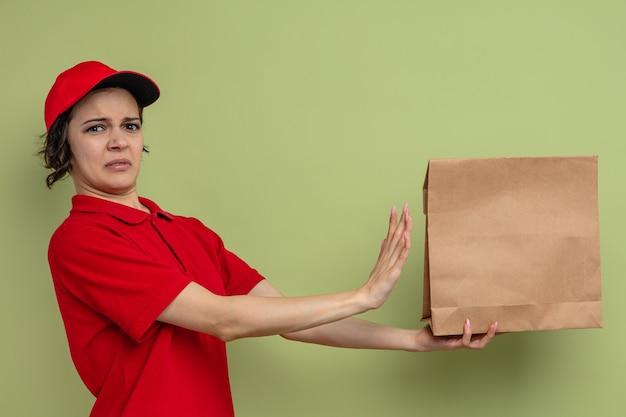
<point x="117" y="141"/>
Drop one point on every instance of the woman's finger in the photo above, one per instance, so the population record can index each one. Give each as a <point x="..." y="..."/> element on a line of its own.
<point x="478" y="342"/>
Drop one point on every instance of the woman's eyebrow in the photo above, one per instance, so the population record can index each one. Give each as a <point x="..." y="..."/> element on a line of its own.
<point x="97" y="119"/>
<point x="106" y="119"/>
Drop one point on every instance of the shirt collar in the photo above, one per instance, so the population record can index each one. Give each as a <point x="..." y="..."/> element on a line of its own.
<point x="88" y="204"/>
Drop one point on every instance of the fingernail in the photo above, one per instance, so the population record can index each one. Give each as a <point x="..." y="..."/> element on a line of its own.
<point x="393" y="210"/>
<point x="467" y="323"/>
<point x="495" y="326"/>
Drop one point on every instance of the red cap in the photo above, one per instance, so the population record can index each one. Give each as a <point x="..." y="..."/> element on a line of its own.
<point x="74" y="83"/>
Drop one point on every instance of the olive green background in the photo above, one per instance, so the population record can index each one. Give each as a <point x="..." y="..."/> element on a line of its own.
<point x="291" y="128"/>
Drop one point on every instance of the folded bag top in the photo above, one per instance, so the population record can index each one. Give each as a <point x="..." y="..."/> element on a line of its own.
<point x="514" y="240"/>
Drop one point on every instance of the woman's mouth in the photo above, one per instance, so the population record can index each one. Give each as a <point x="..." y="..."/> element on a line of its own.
<point x="118" y="164"/>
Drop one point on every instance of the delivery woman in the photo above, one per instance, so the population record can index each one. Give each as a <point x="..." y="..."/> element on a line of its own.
<point x="149" y="298"/>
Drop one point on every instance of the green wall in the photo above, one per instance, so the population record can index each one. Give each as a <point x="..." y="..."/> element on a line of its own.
<point x="291" y="128"/>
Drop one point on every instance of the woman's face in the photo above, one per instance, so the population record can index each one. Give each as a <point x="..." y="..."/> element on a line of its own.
<point x="105" y="136"/>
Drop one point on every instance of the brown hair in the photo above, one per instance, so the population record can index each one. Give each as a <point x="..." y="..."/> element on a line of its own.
<point x="56" y="151"/>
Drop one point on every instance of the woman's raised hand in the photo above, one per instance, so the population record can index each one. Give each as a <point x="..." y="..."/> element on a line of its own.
<point x="393" y="254"/>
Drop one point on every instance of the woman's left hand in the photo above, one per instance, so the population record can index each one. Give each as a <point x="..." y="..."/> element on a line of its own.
<point x="427" y="342"/>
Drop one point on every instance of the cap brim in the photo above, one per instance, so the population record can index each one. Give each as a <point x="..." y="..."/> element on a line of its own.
<point x="141" y="87"/>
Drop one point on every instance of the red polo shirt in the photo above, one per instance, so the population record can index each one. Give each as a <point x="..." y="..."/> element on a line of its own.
<point x="115" y="269"/>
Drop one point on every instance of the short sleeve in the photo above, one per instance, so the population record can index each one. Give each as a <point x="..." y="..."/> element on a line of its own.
<point x="110" y="275"/>
<point x="238" y="277"/>
<point x="241" y="277"/>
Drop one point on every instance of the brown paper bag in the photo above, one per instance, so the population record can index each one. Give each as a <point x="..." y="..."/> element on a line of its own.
<point x="514" y="240"/>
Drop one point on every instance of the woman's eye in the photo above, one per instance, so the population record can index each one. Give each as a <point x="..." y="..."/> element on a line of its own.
<point x="96" y="128"/>
<point x="132" y="126"/>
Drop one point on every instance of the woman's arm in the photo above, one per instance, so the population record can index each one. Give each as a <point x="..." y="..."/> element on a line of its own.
<point x="360" y="334"/>
<point x="229" y="318"/>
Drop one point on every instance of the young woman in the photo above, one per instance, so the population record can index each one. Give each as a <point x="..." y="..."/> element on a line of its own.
<point x="149" y="298"/>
